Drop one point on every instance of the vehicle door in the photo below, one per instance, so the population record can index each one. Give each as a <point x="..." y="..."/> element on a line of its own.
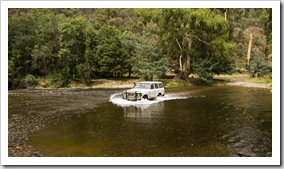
<point x="152" y="93"/>
<point x="157" y="90"/>
<point x="161" y="88"/>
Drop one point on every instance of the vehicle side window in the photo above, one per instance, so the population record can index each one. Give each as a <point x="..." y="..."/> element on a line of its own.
<point x="160" y="85"/>
<point x="152" y="86"/>
<point x="156" y="85"/>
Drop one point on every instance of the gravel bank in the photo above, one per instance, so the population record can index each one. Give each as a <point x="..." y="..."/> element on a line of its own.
<point x="34" y="110"/>
<point x="19" y="128"/>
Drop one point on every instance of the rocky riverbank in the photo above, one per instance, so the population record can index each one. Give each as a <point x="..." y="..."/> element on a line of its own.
<point x="19" y="127"/>
<point x="31" y="111"/>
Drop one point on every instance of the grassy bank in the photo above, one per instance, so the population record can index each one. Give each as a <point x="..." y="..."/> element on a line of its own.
<point x="109" y="83"/>
<point x="106" y="83"/>
<point x="95" y="83"/>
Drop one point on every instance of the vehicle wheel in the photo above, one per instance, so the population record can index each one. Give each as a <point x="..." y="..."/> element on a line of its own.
<point x="159" y="95"/>
<point x="145" y="97"/>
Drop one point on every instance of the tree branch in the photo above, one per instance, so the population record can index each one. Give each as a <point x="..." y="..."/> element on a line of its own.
<point x="198" y="39"/>
<point x="179" y="45"/>
<point x="180" y="62"/>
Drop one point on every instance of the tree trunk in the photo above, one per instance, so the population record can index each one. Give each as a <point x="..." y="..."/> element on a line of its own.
<point x="184" y="59"/>
<point x="129" y="73"/>
<point x="184" y="74"/>
<point x="249" y="50"/>
<point x="225" y="14"/>
<point x="180" y="63"/>
<point x="188" y="56"/>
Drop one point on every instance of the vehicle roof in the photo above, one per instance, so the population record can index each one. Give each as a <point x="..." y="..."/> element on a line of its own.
<point x="150" y="82"/>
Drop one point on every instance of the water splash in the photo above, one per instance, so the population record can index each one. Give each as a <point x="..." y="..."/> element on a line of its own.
<point x="144" y="103"/>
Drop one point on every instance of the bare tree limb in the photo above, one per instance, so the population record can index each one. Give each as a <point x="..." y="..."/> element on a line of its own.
<point x="198" y="39"/>
<point x="180" y="62"/>
<point x="179" y="45"/>
<point x="249" y="49"/>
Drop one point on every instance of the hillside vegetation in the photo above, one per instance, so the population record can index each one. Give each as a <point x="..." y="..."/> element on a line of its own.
<point x="66" y="46"/>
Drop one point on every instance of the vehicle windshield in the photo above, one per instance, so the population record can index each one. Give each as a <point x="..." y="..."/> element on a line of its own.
<point x="142" y="86"/>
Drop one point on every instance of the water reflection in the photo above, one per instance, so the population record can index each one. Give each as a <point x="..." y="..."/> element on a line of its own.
<point x="143" y="114"/>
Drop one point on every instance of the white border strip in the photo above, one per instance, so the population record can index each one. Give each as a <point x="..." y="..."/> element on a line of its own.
<point x="274" y="160"/>
<point x="139" y="4"/>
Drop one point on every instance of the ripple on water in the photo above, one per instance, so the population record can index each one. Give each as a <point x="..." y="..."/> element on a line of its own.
<point x="143" y="103"/>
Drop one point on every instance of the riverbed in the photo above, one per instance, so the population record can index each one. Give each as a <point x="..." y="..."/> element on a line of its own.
<point x="223" y="121"/>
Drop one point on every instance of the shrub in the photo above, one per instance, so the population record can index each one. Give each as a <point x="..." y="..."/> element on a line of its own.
<point x="258" y="66"/>
<point x="204" y="69"/>
<point x="59" y="80"/>
<point x="84" y="73"/>
<point x="175" y="84"/>
<point x="30" y="81"/>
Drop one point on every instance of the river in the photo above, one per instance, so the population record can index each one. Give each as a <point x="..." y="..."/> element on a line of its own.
<point x="223" y="121"/>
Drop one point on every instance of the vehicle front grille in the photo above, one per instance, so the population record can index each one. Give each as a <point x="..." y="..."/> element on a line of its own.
<point x="132" y="96"/>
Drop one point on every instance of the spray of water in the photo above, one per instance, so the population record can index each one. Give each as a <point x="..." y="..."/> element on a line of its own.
<point x="118" y="100"/>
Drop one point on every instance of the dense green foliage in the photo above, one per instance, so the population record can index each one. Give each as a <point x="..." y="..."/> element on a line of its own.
<point x="65" y="45"/>
<point x="258" y="67"/>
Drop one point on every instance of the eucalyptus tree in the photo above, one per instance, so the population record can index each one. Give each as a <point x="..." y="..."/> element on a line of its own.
<point x="176" y="37"/>
<point x="192" y="35"/>
<point x="251" y="25"/>
<point x="212" y="42"/>
<point x="149" y="60"/>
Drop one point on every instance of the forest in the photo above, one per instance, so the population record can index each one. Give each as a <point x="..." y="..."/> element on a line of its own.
<point x="65" y="45"/>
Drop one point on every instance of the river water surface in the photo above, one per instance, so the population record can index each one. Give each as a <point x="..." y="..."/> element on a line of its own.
<point x="220" y="121"/>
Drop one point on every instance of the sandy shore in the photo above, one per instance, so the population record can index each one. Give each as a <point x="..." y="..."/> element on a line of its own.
<point x="248" y="84"/>
<point x="241" y="82"/>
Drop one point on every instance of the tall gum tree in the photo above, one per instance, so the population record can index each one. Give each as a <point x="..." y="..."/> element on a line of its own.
<point x="177" y="37"/>
<point x="189" y="33"/>
<point x="211" y="33"/>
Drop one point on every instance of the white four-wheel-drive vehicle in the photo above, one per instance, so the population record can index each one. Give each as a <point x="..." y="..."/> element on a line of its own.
<point x="146" y="90"/>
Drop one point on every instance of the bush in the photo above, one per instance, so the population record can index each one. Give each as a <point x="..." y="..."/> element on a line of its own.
<point x="59" y="80"/>
<point x="175" y="84"/>
<point x="84" y="73"/>
<point x="30" y="81"/>
<point x="16" y="83"/>
<point x="258" y="66"/>
<point x="204" y="69"/>
<point x="147" y="76"/>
